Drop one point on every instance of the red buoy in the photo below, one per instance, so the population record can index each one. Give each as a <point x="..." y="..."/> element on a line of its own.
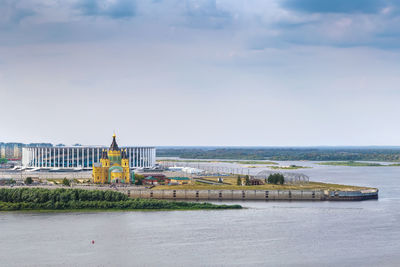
<point x="92" y="241"/>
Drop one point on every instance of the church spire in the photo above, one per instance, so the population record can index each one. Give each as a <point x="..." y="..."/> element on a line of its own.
<point x="123" y="154"/>
<point x="104" y="154"/>
<point x="114" y="145"/>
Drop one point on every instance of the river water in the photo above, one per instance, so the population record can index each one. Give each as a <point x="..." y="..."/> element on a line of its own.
<point x="264" y="234"/>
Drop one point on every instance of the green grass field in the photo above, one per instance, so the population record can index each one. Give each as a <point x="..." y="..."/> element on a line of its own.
<point x="230" y="184"/>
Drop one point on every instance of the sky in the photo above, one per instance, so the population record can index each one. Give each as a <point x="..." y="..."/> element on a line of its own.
<point x="206" y="72"/>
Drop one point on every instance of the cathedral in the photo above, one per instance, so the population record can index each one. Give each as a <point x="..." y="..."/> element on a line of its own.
<point x="113" y="166"/>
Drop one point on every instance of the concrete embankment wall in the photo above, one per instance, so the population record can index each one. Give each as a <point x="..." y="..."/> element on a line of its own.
<point x="135" y="192"/>
<point x="254" y="194"/>
<point x="352" y="195"/>
<point x="228" y="194"/>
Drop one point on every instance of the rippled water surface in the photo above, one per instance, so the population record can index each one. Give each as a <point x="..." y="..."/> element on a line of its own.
<point x="266" y="233"/>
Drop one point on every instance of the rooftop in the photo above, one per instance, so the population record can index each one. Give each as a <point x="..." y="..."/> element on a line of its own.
<point x="114" y="145"/>
<point x="179" y="178"/>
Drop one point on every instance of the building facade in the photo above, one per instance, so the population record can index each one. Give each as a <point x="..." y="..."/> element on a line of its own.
<point x="11" y="151"/>
<point x="82" y="157"/>
<point x="113" y="166"/>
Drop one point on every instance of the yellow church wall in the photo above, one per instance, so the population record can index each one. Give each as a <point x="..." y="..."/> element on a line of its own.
<point x="105" y="162"/>
<point x="100" y="175"/>
<point x="112" y="153"/>
<point x="116" y="175"/>
<point x="125" y="163"/>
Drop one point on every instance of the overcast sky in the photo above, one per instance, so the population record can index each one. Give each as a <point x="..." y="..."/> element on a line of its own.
<point x="256" y="73"/>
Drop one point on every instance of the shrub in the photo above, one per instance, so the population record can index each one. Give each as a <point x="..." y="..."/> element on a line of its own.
<point x="66" y="182"/>
<point x="276" y="178"/>
<point x="11" y="181"/>
<point x="139" y="179"/>
<point x="60" y="199"/>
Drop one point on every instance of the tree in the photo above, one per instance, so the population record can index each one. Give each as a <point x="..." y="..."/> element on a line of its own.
<point x="276" y="178"/>
<point x="239" y="180"/>
<point x="247" y="180"/>
<point x="28" y="180"/>
<point x="66" y="182"/>
<point x="3" y="160"/>
<point x="138" y="179"/>
<point x="132" y="181"/>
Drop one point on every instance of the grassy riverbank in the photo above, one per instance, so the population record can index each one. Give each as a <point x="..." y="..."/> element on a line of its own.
<point x="357" y="164"/>
<point x="290" y="167"/>
<point x="40" y="199"/>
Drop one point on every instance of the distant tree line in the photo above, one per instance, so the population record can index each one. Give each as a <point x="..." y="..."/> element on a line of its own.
<point x="64" y="199"/>
<point x="41" y="195"/>
<point x="317" y="154"/>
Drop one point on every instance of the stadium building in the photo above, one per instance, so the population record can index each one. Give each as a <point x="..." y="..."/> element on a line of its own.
<point x="82" y="157"/>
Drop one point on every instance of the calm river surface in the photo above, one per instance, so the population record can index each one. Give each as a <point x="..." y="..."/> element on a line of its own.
<point x="265" y="234"/>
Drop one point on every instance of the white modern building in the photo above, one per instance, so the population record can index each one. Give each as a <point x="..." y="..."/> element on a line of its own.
<point x="82" y="157"/>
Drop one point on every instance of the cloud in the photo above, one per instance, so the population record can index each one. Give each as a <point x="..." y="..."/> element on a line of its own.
<point x="13" y="12"/>
<point x="206" y="14"/>
<point x="114" y="9"/>
<point x="336" y="6"/>
<point x="336" y="23"/>
<point x="254" y="25"/>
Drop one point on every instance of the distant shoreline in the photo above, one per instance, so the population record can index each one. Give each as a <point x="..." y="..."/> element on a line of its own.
<point x="357" y="164"/>
<point x="342" y="153"/>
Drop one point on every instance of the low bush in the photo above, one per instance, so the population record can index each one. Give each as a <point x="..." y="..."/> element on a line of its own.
<point x="71" y="199"/>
